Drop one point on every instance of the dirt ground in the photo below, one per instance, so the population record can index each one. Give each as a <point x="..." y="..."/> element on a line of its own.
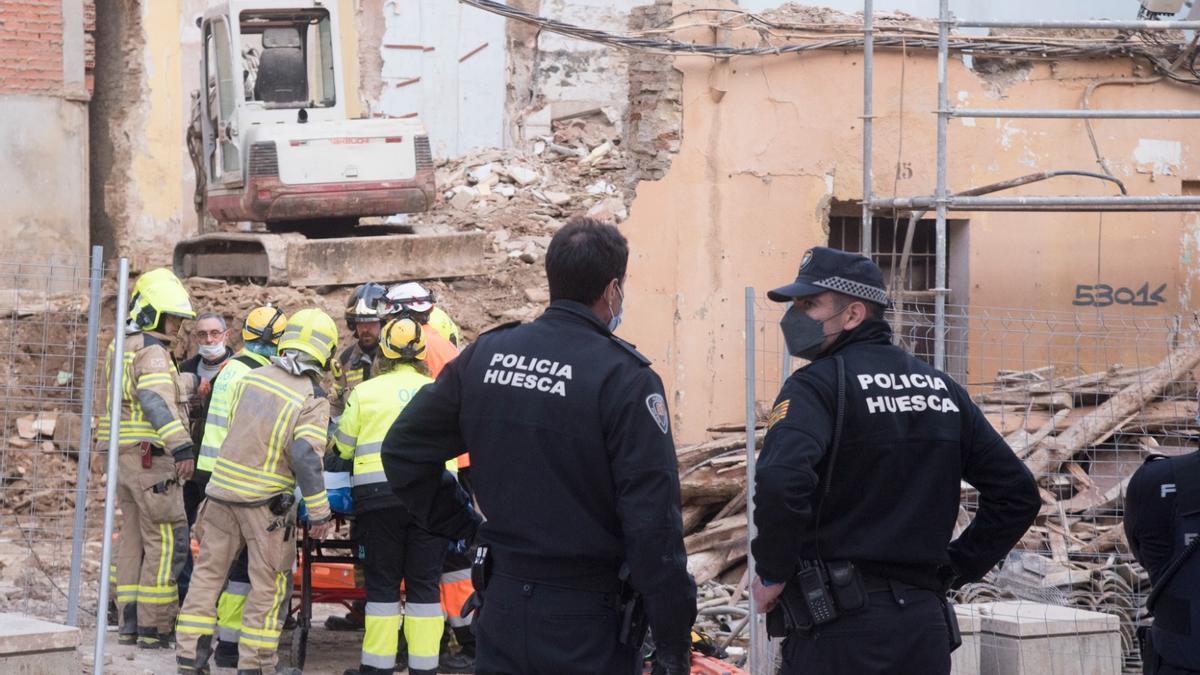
<point x="328" y="652"/>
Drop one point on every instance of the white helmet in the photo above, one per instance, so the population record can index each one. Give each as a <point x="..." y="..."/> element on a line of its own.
<point x="409" y="296"/>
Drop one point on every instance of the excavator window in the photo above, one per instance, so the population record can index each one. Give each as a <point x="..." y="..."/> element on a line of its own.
<point x="287" y="58"/>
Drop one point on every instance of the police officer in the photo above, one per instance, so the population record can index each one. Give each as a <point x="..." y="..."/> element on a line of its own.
<point x="1162" y="524"/>
<point x="861" y="464"/>
<point x="574" y="467"/>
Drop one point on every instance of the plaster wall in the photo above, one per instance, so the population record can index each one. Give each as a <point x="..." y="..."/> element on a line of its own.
<point x="768" y="144"/>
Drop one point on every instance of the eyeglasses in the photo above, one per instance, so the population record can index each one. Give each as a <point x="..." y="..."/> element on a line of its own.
<point x="210" y="333"/>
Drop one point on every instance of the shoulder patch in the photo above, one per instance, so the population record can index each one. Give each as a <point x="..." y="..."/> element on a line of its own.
<point x="778" y="413"/>
<point x="629" y="347"/>
<point x="503" y="326"/>
<point x="658" y="410"/>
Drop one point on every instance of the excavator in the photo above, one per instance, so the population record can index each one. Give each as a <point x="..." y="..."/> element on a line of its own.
<point x="284" y="176"/>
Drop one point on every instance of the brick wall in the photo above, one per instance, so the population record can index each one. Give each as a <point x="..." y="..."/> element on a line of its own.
<point x="654" y="122"/>
<point x="31" y="46"/>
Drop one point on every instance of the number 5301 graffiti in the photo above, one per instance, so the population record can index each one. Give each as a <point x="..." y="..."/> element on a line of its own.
<point x="1103" y="295"/>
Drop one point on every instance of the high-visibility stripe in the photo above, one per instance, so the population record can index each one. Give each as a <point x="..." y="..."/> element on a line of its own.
<point x="264" y="643"/>
<point x="421" y="662"/>
<point x="229" y="635"/>
<point x="272" y="387"/>
<point x="419" y="609"/>
<point x="172" y="427"/>
<point x="281" y="592"/>
<point x="242" y="588"/>
<point x="264" y="633"/>
<point x="254" y="474"/>
<point x="196" y="625"/>
<point x="368" y="449"/>
<point x="344" y="438"/>
<point x="368" y="478"/>
<point x="219" y="420"/>
<point x="321" y="496"/>
<point x="227" y="483"/>
<point x="160" y="577"/>
<point x="157" y="595"/>
<point x="382" y="609"/>
<point x="456" y="575"/>
<point x="243" y="472"/>
<point x="148" y="380"/>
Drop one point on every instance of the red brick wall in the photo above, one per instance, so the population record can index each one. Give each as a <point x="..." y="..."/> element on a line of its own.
<point x="31" y="46"/>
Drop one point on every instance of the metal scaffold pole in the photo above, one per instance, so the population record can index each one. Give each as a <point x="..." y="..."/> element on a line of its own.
<point x="868" y="122"/>
<point x="939" y="317"/>
<point x="110" y="495"/>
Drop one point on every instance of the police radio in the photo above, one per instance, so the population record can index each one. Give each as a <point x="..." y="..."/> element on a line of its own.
<point x="816" y="594"/>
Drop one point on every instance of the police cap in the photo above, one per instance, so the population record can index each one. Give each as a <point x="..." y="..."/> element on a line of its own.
<point x="827" y="269"/>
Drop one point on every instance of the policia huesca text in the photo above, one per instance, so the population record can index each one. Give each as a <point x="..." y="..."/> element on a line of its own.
<point x="573" y="466"/>
<point x="857" y="487"/>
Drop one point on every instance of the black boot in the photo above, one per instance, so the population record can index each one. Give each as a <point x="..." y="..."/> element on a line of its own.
<point x="148" y="638"/>
<point x="190" y="667"/>
<point x="226" y="655"/>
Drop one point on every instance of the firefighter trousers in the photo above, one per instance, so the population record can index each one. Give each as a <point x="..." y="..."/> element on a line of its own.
<point x="456" y="590"/>
<point x="151" y="545"/>
<point x="270" y="543"/>
<point x="395" y="550"/>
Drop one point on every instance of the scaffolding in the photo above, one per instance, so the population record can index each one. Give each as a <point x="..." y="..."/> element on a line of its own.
<point x="942" y="202"/>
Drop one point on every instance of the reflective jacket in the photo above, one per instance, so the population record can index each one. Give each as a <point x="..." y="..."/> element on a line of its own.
<point x="150" y="410"/>
<point x="369" y="413"/>
<point x="276" y="433"/>
<point x="220" y="405"/>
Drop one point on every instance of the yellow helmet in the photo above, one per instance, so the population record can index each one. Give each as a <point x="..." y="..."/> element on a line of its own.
<point x="311" y="331"/>
<point x="157" y="293"/>
<point x="264" y="324"/>
<point x="401" y="339"/>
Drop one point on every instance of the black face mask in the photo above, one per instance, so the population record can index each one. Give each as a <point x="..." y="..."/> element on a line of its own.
<point x="804" y="336"/>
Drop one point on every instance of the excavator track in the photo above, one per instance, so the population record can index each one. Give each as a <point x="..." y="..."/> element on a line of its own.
<point x="291" y="259"/>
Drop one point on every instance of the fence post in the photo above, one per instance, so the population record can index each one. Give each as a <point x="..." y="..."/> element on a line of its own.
<point x="85" y="435"/>
<point x="760" y="660"/>
<point x="110" y="496"/>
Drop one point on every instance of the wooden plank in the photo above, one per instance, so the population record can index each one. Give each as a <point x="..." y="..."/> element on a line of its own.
<point x="1103" y="420"/>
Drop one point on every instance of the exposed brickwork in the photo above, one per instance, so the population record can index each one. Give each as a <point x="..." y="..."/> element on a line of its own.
<point x="31" y="46"/>
<point x="654" y="125"/>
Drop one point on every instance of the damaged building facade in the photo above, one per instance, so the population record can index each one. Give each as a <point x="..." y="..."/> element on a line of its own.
<point x="733" y="166"/>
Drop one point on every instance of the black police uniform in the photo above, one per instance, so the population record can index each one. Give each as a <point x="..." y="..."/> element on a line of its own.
<point x="1162" y="515"/>
<point x="909" y="435"/>
<point x="574" y="467"/>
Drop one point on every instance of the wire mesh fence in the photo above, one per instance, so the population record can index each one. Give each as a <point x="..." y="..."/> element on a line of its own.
<point x="44" y="382"/>
<point x="1069" y="596"/>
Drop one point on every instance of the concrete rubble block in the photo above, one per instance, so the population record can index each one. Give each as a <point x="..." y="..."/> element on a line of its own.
<point x="463" y="196"/>
<point x="609" y="210"/>
<point x="33" y="647"/>
<point x="480" y="173"/>
<point x="537" y="295"/>
<point x="557" y="198"/>
<point x="1018" y="637"/>
<point x="521" y="175"/>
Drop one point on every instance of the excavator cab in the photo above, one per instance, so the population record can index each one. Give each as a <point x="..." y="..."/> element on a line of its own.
<point x="283" y="171"/>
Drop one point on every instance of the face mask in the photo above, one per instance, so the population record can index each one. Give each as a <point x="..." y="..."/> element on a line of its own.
<point x="261" y="348"/>
<point x="616" y="316"/>
<point x="212" y="352"/>
<point x="804" y="335"/>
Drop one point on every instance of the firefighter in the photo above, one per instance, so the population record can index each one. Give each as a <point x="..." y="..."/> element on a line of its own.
<point x="353" y="365"/>
<point x="394" y="548"/>
<point x="260" y="339"/>
<point x="442" y="337"/>
<point x="364" y="316"/>
<point x="155" y="459"/>
<point x="277" y="431"/>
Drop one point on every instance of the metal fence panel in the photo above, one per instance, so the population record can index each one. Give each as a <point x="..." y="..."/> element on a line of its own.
<point x="44" y="379"/>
